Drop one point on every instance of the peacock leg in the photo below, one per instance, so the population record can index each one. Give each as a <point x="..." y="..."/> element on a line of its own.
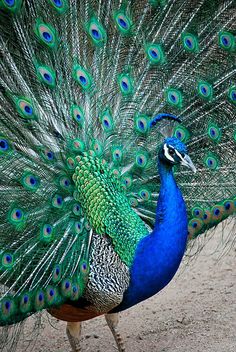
<point x="112" y="322"/>
<point x="73" y="331"/>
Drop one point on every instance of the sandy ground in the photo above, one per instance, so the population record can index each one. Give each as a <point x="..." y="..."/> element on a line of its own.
<point x="196" y="312"/>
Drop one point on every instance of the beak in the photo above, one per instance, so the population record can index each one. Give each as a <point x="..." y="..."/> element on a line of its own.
<point x="186" y="161"/>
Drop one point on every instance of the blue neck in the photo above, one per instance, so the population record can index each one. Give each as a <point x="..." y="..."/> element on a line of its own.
<point x="159" y="254"/>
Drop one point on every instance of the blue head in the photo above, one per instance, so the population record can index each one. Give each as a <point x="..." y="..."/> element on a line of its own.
<point x="174" y="152"/>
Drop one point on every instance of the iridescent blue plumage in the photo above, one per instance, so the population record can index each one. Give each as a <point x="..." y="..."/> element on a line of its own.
<point x="158" y="255"/>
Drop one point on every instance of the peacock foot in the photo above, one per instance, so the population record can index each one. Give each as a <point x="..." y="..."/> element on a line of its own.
<point x="73" y="331"/>
<point x="112" y="322"/>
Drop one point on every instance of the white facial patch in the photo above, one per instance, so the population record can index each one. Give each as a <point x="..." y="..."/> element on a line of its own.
<point x="166" y="153"/>
<point x="179" y="155"/>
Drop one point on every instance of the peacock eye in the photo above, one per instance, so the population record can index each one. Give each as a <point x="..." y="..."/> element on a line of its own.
<point x="171" y="151"/>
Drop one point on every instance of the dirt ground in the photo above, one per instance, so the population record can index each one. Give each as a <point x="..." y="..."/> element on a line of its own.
<point x="196" y="312"/>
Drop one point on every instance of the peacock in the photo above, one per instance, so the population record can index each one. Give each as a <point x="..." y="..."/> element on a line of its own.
<point x="117" y="147"/>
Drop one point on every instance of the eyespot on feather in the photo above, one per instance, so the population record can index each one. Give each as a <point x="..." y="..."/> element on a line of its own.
<point x="197" y="212"/>
<point x="141" y="159"/>
<point x="57" y="201"/>
<point x="174" y="97"/>
<point x="30" y="181"/>
<point x="46" y="34"/>
<point x="144" y="194"/>
<point x="78" y="227"/>
<point x="77" y="113"/>
<point x="46" y="233"/>
<point x="227" y="41"/>
<point x="25" y="108"/>
<point x="84" y="268"/>
<point x="71" y="163"/>
<point x="217" y="212"/>
<point x="66" y="288"/>
<point x="181" y="133"/>
<point x="57" y="273"/>
<point x="11" y="6"/>
<point x="133" y="202"/>
<point x="190" y="42"/>
<point x="17" y="217"/>
<point x="232" y="94"/>
<point x="51" y="295"/>
<point x="46" y="75"/>
<point x="46" y="154"/>
<point x="96" y="32"/>
<point x="194" y="227"/>
<point x="77" y="145"/>
<point x="211" y="161"/>
<point x="123" y="22"/>
<point x="142" y="124"/>
<point x="155" y="54"/>
<point x="25" y="302"/>
<point x="7" y="308"/>
<point x="127" y="181"/>
<point x="61" y="6"/>
<point x="7" y="260"/>
<point x="207" y="216"/>
<point x="75" y="292"/>
<point x="117" y="154"/>
<point x="214" y="132"/>
<point x="82" y="77"/>
<point x="125" y="84"/>
<point x="39" y="300"/>
<point x="229" y="207"/>
<point x="205" y="90"/>
<point x="107" y="122"/>
<point x="5" y="146"/>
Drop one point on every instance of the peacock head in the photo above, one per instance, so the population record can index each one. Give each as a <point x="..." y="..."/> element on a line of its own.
<point x="174" y="152"/>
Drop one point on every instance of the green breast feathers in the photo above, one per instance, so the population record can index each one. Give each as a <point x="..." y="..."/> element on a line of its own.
<point x="106" y="206"/>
